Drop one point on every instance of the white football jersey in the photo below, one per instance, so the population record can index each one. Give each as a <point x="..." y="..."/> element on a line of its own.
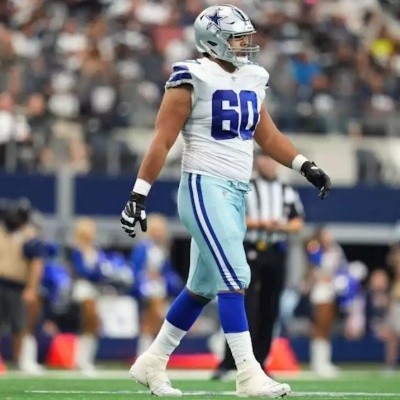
<point x="218" y="135"/>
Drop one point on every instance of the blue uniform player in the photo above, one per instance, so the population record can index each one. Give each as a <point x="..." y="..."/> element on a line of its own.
<point x="216" y="102"/>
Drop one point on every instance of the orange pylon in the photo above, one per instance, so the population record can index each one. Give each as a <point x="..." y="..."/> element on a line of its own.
<point x="281" y="357"/>
<point x="61" y="353"/>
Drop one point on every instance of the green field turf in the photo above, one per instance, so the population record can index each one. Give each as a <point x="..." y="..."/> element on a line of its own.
<point x="113" y="385"/>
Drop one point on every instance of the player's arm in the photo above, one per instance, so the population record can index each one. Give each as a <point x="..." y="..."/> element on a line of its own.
<point x="174" y="111"/>
<point x="31" y="289"/>
<point x="172" y="115"/>
<point x="281" y="149"/>
<point x="295" y="222"/>
<point x="294" y="225"/>
<point x="252" y="223"/>
<point x="273" y="142"/>
<point x="33" y="252"/>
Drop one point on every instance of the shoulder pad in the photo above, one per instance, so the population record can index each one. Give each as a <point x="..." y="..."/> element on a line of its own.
<point x="258" y="71"/>
<point x="261" y="72"/>
<point x="182" y="73"/>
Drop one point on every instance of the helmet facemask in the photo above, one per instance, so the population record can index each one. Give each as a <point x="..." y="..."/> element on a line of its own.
<point x="242" y="54"/>
<point x="237" y="55"/>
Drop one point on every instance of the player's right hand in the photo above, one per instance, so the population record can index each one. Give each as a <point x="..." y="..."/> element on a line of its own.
<point x="318" y="177"/>
<point x="134" y="211"/>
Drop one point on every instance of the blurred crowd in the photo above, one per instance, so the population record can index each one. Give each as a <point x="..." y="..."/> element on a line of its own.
<point x="74" y="73"/>
<point x="47" y="288"/>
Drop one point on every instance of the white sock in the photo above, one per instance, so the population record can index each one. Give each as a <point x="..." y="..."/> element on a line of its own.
<point x="29" y="352"/>
<point x="167" y="340"/>
<point x="241" y="348"/>
<point x="320" y="353"/>
<point x="86" y="350"/>
<point x="144" y="342"/>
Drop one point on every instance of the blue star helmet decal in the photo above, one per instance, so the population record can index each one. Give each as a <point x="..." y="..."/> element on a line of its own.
<point x="214" y="19"/>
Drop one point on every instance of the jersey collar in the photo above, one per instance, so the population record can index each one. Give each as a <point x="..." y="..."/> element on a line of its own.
<point x="216" y="67"/>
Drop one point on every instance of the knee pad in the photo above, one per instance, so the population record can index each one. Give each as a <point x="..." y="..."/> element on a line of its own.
<point x="209" y="294"/>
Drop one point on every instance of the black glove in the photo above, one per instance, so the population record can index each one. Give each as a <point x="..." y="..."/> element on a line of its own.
<point x="317" y="177"/>
<point x="134" y="211"/>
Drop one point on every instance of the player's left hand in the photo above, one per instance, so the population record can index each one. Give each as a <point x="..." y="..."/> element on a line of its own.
<point x="134" y="211"/>
<point x="317" y="177"/>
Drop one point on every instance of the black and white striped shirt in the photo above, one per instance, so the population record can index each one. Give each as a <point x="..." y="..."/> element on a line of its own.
<point x="271" y="200"/>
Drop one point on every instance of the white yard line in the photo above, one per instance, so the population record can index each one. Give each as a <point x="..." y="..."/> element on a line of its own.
<point x="87" y="391"/>
<point x="178" y="374"/>
<point x="345" y="394"/>
<point x="105" y="374"/>
<point x="222" y="393"/>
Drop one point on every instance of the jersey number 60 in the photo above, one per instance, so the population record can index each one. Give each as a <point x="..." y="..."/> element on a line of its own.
<point x="234" y="114"/>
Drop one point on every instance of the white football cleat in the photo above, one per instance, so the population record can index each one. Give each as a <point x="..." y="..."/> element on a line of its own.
<point x="150" y="371"/>
<point x="253" y="382"/>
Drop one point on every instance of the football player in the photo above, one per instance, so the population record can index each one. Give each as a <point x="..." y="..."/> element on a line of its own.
<point x="216" y="102"/>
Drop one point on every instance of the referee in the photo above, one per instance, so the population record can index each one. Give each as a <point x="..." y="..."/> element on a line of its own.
<point x="274" y="211"/>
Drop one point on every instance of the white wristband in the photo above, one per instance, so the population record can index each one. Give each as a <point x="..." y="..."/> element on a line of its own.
<point x="141" y="187"/>
<point x="298" y="161"/>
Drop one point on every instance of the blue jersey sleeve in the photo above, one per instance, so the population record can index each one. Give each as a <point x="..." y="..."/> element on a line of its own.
<point x="33" y="248"/>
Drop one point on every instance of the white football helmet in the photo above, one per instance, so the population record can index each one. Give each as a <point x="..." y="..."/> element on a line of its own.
<point x="215" y="25"/>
